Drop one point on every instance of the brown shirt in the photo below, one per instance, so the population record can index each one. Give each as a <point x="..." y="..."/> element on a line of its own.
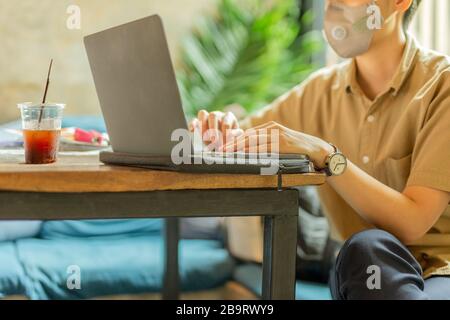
<point x="402" y="137"/>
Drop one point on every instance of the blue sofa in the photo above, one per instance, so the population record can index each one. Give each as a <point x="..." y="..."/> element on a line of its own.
<point x="39" y="268"/>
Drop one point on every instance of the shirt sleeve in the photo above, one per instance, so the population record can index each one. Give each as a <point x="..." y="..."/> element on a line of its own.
<point x="430" y="165"/>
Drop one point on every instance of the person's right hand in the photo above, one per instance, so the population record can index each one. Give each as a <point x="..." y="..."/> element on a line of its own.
<point x="215" y="126"/>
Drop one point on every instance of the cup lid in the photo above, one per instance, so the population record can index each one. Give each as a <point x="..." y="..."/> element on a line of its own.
<point x="32" y="105"/>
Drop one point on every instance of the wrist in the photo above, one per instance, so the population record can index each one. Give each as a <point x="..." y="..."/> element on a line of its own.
<point x="320" y="156"/>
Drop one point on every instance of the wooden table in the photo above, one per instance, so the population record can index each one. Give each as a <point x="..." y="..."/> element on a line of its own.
<point x="79" y="187"/>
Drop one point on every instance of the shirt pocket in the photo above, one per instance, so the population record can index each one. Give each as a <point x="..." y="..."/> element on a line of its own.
<point x="398" y="171"/>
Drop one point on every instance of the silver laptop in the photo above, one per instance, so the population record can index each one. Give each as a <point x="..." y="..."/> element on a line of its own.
<point x="139" y="96"/>
<point x="136" y="86"/>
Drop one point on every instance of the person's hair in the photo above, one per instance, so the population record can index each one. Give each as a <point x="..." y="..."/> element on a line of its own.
<point x="409" y="14"/>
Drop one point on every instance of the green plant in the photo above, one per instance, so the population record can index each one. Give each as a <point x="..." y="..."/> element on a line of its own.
<point x="249" y="53"/>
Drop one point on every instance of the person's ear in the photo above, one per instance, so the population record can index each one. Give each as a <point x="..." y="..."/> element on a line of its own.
<point x="403" y="5"/>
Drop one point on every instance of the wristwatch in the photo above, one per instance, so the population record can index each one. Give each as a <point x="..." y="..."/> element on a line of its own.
<point x="335" y="163"/>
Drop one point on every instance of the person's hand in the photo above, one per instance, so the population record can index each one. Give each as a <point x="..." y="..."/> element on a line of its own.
<point x="275" y="138"/>
<point x="215" y="127"/>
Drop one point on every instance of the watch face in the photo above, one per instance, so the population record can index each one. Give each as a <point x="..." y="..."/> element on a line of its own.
<point x="337" y="164"/>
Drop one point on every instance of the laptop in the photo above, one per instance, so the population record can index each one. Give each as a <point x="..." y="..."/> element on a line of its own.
<point x="140" y="101"/>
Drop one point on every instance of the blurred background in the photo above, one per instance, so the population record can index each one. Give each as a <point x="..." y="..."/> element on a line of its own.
<point x="225" y="51"/>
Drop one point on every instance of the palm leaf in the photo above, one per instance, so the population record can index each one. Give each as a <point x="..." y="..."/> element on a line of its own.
<point x="249" y="53"/>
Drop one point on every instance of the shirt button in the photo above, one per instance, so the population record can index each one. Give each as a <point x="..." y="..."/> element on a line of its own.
<point x="365" y="159"/>
<point x="371" y="119"/>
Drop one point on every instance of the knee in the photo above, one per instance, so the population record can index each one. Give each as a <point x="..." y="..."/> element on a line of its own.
<point x="364" y="248"/>
<point x="358" y="261"/>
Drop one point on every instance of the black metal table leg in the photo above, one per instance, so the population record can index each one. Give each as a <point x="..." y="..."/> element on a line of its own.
<point x="280" y="244"/>
<point x="171" y="288"/>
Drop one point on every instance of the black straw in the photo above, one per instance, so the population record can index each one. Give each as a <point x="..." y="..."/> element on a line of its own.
<point x="45" y="91"/>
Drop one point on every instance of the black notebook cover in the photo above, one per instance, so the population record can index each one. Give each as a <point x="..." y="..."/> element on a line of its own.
<point x="198" y="164"/>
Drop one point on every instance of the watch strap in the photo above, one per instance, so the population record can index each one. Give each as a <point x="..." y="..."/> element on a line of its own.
<point x="327" y="170"/>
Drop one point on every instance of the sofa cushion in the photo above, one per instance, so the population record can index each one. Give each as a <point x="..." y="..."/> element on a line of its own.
<point x="12" y="277"/>
<point x="111" y="266"/>
<point x="119" y="228"/>
<point x="11" y="230"/>
<point x="85" y="122"/>
<point x="250" y="276"/>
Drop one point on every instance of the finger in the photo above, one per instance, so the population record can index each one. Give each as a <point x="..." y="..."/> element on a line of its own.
<point x="262" y="149"/>
<point x="203" y="118"/>
<point x="247" y="142"/>
<point x="236" y="132"/>
<point x="230" y="121"/>
<point x="227" y="122"/>
<point x="235" y="124"/>
<point x="214" y="146"/>
<point x="272" y="133"/>
<point x="194" y="125"/>
<point x="232" y="134"/>
<point x="214" y="122"/>
<point x="239" y="136"/>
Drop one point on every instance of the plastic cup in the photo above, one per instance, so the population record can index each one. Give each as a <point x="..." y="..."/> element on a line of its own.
<point x="41" y="125"/>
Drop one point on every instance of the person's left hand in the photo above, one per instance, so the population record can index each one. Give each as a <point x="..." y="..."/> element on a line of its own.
<point x="263" y="139"/>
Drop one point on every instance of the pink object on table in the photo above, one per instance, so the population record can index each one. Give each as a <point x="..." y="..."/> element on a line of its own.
<point x="88" y="136"/>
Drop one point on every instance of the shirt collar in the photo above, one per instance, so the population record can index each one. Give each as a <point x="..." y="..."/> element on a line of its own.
<point x="350" y="77"/>
<point x="406" y="65"/>
<point x="400" y="76"/>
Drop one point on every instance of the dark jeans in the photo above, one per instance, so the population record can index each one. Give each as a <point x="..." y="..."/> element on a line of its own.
<point x="374" y="265"/>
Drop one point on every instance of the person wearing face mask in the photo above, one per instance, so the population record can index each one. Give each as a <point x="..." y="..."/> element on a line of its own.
<point x="378" y="125"/>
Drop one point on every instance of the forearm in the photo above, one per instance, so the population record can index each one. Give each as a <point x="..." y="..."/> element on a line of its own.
<point x="408" y="215"/>
<point x="381" y="205"/>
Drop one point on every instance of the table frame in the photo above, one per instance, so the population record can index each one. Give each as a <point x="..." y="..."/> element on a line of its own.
<point x="279" y="209"/>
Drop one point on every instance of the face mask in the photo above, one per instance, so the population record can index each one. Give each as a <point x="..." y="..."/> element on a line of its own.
<point x="349" y="30"/>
